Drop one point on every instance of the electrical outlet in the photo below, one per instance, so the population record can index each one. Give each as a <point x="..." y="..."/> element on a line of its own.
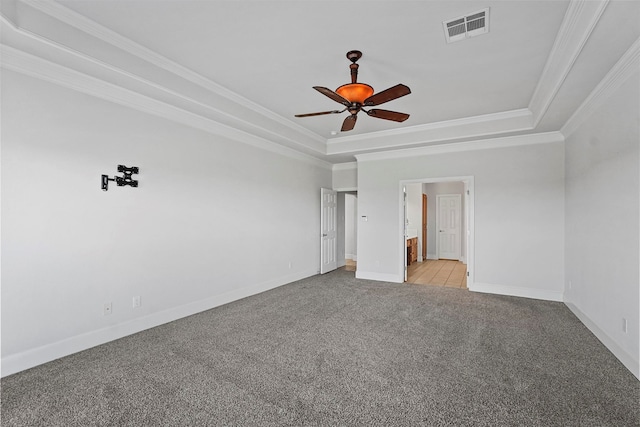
<point x="136" y="301"/>
<point x="570" y="284"/>
<point x="108" y="308"/>
<point x="289" y="265"/>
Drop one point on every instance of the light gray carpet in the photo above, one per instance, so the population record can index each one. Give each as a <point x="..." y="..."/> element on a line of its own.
<point x="333" y="350"/>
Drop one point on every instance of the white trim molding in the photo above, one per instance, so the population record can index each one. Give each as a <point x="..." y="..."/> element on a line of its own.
<point x="483" y="144"/>
<point x="100" y="32"/>
<point x="627" y="359"/>
<point x="578" y="24"/>
<point x="158" y="78"/>
<point x="517" y="291"/>
<point x="625" y="68"/>
<point x="33" y="66"/>
<point x="380" y="277"/>
<point x="438" y="132"/>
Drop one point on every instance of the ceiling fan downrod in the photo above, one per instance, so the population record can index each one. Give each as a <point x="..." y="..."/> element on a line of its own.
<point x="353" y="56"/>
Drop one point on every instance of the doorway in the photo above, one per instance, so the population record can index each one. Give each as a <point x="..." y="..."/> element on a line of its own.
<point x="347" y="229"/>
<point x="453" y="266"/>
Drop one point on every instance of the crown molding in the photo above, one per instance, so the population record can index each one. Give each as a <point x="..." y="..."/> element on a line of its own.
<point x="485" y="144"/>
<point x="450" y="130"/>
<point x="33" y="66"/>
<point x="576" y="28"/>
<point x="624" y="69"/>
<point x="96" y="31"/>
<point x="484" y="118"/>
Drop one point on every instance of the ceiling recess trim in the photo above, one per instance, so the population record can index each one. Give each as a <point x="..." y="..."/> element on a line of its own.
<point x="616" y="77"/>
<point x="34" y="66"/>
<point x="579" y="21"/>
<point x="92" y="28"/>
<point x="445" y="132"/>
<point x="576" y="28"/>
<point x="485" y="144"/>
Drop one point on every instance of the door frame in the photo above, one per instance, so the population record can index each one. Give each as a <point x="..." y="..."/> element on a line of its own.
<point x="423" y="225"/>
<point x="468" y="212"/>
<point x="404" y="233"/>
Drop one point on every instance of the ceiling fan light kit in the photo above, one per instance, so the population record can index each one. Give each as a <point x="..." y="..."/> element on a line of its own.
<point x="355" y="92"/>
<point x="356" y="95"/>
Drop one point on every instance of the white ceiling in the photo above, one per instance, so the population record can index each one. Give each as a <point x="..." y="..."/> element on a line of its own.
<point x="271" y="53"/>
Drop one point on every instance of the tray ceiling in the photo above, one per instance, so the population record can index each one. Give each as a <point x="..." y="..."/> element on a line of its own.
<point x="249" y="66"/>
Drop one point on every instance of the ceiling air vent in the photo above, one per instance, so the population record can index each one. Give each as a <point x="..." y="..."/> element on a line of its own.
<point x="467" y="26"/>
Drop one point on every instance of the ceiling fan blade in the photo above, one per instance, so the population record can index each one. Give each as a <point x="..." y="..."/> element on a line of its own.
<point x="387" y="95"/>
<point x="319" y="114"/>
<point x="331" y="94"/>
<point x="387" y="115"/>
<point x="349" y="123"/>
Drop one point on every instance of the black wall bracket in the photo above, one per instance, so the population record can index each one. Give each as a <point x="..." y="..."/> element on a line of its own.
<point x="123" y="180"/>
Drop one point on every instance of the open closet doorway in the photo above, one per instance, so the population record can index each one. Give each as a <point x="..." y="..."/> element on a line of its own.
<point x="438" y="231"/>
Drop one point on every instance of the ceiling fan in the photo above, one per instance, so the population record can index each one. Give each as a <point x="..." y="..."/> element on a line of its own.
<point x="354" y="96"/>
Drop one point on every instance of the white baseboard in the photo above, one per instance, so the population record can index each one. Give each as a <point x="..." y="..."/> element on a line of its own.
<point x="515" y="291"/>
<point x="37" y="356"/>
<point x="382" y="277"/>
<point x="352" y="257"/>
<point x="432" y="256"/>
<point x="628" y="360"/>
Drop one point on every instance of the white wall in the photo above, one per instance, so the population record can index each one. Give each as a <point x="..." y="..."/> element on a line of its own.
<point x="519" y="214"/>
<point x="345" y="176"/>
<point x="602" y="222"/>
<point x="212" y="220"/>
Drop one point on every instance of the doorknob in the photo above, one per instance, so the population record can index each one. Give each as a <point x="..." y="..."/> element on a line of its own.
<point x="324" y="234"/>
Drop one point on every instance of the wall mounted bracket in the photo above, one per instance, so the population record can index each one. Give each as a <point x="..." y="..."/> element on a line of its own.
<point x="125" y="179"/>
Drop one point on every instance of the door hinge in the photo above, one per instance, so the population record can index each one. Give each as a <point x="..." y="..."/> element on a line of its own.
<point x="467" y="274"/>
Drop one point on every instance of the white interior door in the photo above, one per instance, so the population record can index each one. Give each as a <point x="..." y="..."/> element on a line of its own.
<point x="449" y="227"/>
<point x="329" y="240"/>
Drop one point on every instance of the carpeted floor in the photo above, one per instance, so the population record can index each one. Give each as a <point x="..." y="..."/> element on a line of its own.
<point x="334" y="350"/>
